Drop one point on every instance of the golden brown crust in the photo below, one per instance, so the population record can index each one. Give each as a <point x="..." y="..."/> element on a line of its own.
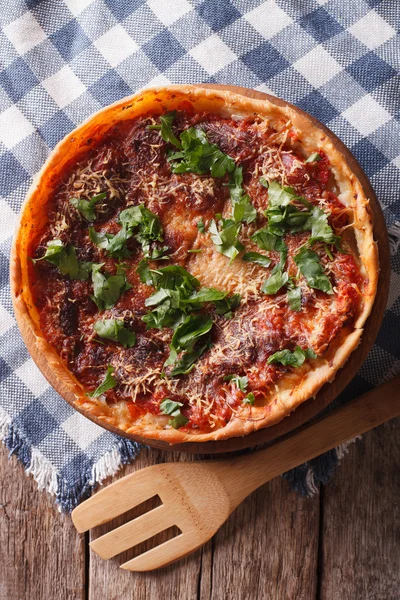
<point x="292" y="390"/>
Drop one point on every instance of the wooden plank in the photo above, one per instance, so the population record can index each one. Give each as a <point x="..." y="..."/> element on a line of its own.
<point x="269" y="545"/>
<point x="267" y="549"/>
<point x="108" y="582"/>
<point x="360" y="558"/>
<point x="42" y="557"/>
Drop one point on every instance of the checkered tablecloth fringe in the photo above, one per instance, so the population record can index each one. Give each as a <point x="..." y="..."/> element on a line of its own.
<point x="61" y="60"/>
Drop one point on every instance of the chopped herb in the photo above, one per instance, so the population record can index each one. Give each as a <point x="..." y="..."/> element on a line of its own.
<point x="257" y="258"/>
<point x="149" y="227"/>
<point x="65" y="259"/>
<point x="114" y="330"/>
<point x="321" y="231"/>
<point x="310" y="266"/>
<point x="200" y="226"/>
<point x="108" y="288"/>
<point x="243" y="210"/>
<point x="294" y="296"/>
<point x="115" y="245"/>
<point x="314" y="157"/>
<point x="143" y="271"/>
<point x="275" y="282"/>
<point x="269" y="241"/>
<point x="165" y="128"/>
<point x="249" y="399"/>
<point x="240" y="382"/>
<point x="195" y="251"/>
<point x="226" y="238"/>
<point x="292" y="359"/>
<point x="189" y="339"/>
<point x="169" y="407"/>
<point x="227" y="305"/>
<point x="199" y="156"/>
<point x="86" y="207"/>
<point x="108" y="383"/>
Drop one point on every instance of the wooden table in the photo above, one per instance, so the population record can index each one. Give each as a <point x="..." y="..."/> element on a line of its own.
<point x="341" y="544"/>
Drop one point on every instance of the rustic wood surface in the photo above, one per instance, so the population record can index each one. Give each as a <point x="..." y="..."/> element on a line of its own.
<point x="342" y="544"/>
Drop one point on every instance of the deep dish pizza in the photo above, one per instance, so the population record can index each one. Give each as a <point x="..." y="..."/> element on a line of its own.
<point x="194" y="264"/>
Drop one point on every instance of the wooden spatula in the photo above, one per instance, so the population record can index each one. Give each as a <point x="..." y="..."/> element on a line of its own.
<point x="198" y="497"/>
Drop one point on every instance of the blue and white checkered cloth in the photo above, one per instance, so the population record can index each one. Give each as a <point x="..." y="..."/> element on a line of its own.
<point x="62" y="60"/>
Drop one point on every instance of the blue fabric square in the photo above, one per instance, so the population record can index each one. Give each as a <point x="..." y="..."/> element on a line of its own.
<point x="163" y="50"/>
<point x="123" y="8"/>
<point x="388" y="333"/>
<point x="320" y="25"/>
<point x="77" y="467"/>
<point x="5" y="369"/>
<point x="318" y="106"/>
<point x="12" y="174"/>
<point x="109" y="88"/>
<point x="218" y="13"/>
<point x="36" y="422"/>
<point x="369" y="157"/>
<point x="370" y="71"/>
<point x="56" y="128"/>
<point x="70" y="40"/>
<point x="17" y="79"/>
<point x="4" y="263"/>
<point x="265" y="61"/>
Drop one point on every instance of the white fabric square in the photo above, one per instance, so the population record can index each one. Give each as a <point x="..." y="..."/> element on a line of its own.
<point x="8" y="220"/>
<point x="81" y="430"/>
<point x="264" y="88"/>
<point x="25" y="33"/>
<point x="372" y="30"/>
<point x="32" y="377"/>
<point x="167" y="12"/>
<point x="158" y="80"/>
<point x="116" y="45"/>
<point x="268" y="19"/>
<point x="78" y="6"/>
<point x="14" y="126"/>
<point x="213" y="54"/>
<point x="6" y="320"/>
<point x="317" y="66"/>
<point x="64" y="86"/>
<point x="366" y="115"/>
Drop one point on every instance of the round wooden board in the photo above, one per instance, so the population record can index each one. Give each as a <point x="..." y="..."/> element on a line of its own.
<point x="329" y="391"/>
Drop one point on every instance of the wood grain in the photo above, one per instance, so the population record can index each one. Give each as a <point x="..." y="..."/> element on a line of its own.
<point x="269" y="543"/>
<point x="42" y="557"/>
<point x="361" y="521"/>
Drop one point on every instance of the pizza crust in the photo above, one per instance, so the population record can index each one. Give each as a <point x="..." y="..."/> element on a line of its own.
<point x="292" y="389"/>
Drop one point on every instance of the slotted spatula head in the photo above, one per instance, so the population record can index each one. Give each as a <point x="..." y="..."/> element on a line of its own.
<point x="193" y="499"/>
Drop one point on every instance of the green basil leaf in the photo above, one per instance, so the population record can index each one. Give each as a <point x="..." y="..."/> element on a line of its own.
<point x="310" y="266"/>
<point x="257" y="258"/>
<point x="292" y="359"/>
<point x="275" y="282"/>
<point x="185" y="338"/>
<point x="249" y="399"/>
<point x="240" y="382"/>
<point x="86" y="207"/>
<point x="226" y="238"/>
<point x="200" y="226"/>
<point x="65" y="259"/>
<point x="243" y="210"/>
<point x="115" y="245"/>
<point x="107" y="288"/>
<point x="321" y="231"/>
<point x="227" y="305"/>
<point x="174" y="277"/>
<point x="165" y="128"/>
<point x="114" y="330"/>
<point x="108" y="383"/>
<point x="268" y="241"/>
<point x="314" y="157"/>
<point x="169" y="407"/>
<point x="294" y="298"/>
<point x="143" y="271"/>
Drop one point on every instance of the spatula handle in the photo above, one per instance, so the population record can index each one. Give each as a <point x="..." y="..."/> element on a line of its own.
<point x="357" y="417"/>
